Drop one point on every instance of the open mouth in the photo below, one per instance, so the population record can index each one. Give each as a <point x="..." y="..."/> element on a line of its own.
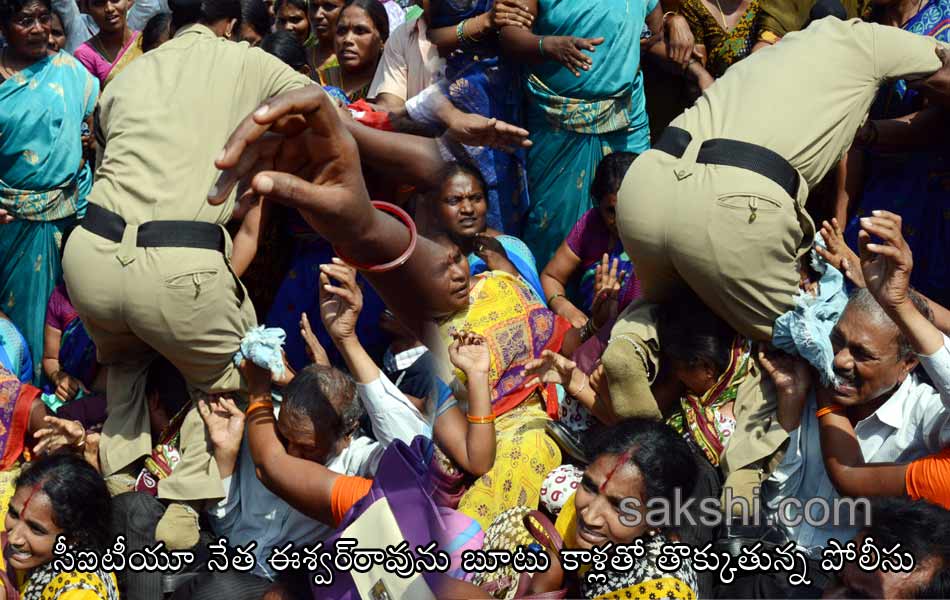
<point x="588" y="535"/>
<point x="18" y="555"/>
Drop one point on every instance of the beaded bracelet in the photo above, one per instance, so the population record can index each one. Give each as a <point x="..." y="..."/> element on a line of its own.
<point x="402" y="258"/>
<point x="460" y="31"/>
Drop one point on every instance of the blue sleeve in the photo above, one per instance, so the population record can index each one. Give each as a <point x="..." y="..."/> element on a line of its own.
<point x="651" y="5"/>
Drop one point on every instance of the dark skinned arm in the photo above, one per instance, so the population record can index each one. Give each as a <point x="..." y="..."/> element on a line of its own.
<point x="845" y="463"/>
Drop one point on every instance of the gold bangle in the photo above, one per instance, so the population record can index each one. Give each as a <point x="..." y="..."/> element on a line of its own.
<point x="555" y="297"/>
<point x="481" y="420"/>
<point x="260" y="404"/>
<point x="834" y="408"/>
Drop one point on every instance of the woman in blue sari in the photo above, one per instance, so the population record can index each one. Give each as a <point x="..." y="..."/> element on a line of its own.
<point x="479" y="80"/>
<point x="913" y="182"/>
<point x="43" y="181"/>
<point x="584" y="100"/>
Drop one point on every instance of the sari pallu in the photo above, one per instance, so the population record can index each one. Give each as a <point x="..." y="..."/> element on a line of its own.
<point x="41" y="184"/>
<point x="576" y="121"/>
<point x="517" y="327"/>
<point x="479" y="80"/>
<point x="16" y="398"/>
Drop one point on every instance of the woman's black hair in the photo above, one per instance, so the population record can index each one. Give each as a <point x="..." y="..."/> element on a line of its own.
<point x="8" y="8"/>
<point x="186" y="12"/>
<point x="303" y="5"/>
<point x="660" y="454"/>
<point x="688" y="331"/>
<point x="255" y="15"/>
<point x="78" y="496"/>
<point x="455" y="168"/>
<point x="376" y="11"/>
<point x="609" y="175"/>
<point x="152" y="32"/>
<point x="285" y="46"/>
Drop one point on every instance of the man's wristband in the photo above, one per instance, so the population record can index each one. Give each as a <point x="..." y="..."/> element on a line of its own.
<point x="833" y="408"/>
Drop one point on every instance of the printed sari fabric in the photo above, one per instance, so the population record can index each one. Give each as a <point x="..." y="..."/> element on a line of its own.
<point x="478" y="79"/>
<point x="518" y="327"/>
<point x="16" y="398"/>
<point x="576" y="121"/>
<point x="699" y="418"/>
<point x="913" y="184"/>
<point x="98" y="65"/>
<point x="723" y="48"/>
<point x="14" y="353"/>
<point x="47" y="582"/>
<point x="43" y="184"/>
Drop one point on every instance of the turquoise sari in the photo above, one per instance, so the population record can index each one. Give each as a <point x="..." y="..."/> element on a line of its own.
<point x="41" y="184"/>
<point x="576" y="121"/>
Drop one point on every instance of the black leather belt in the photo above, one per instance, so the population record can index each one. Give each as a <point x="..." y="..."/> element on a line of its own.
<point x="155" y="234"/>
<point x="733" y="153"/>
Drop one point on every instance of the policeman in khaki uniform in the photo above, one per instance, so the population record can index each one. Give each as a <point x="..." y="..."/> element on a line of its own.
<point x="718" y="205"/>
<point x="149" y="269"/>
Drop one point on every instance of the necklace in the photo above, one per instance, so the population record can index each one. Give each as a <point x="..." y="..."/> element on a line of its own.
<point x="101" y="48"/>
<point x="722" y="13"/>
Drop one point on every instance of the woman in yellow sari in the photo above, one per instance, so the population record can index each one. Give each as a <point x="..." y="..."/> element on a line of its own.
<point x="501" y="307"/>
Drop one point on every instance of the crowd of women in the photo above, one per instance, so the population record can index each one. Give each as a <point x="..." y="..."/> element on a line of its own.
<point x="461" y="392"/>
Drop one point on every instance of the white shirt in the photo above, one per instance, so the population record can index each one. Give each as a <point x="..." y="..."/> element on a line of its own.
<point x="410" y="62"/>
<point x="914" y="422"/>
<point x="250" y="512"/>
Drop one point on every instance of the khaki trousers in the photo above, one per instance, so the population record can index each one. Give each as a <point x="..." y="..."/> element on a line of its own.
<point x="137" y="303"/>
<point x="731" y="235"/>
<point x="735" y="238"/>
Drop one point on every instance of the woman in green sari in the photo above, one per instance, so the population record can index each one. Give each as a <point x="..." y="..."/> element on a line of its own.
<point x="584" y="93"/>
<point x="43" y="181"/>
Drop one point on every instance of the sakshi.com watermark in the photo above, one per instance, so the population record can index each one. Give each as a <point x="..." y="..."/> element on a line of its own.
<point x="739" y="510"/>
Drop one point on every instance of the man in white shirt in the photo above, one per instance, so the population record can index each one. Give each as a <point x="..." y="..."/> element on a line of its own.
<point x="410" y="64"/>
<point x="881" y="337"/>
<point x="252" y="513"/>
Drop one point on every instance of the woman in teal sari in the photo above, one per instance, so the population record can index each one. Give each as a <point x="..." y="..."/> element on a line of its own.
<point x="43" y="181"/>
<point x="584" y="99"/>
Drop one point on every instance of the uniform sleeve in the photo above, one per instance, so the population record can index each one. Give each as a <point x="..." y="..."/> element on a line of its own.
<point x="899" y="54"/>
<point x="392" y="73"/>
<point x="346" y="492"/>
<point x="276" y="77"/>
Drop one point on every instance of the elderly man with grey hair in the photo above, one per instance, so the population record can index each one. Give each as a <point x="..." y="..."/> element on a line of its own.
<point x="884" y="333"/>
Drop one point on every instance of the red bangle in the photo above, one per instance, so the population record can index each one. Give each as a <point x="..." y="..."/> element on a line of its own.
<point x="402" y="258"/>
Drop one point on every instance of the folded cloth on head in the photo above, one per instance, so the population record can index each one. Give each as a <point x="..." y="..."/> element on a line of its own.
<point x="806" y="329"/>
<point x="262" y="346"/>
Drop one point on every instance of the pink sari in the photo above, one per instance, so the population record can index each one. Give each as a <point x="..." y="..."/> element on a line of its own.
<point x="101" y="68"/>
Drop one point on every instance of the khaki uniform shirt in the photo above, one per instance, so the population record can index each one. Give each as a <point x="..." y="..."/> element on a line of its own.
<point x="806" y="96"/>
<point x="166" y="118"/>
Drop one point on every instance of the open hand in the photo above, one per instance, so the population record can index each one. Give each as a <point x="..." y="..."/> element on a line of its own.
<point x="340" y="304"/>
<point x="59" y="434"/>
<point x="473" y="129"/>
<point x="550" y="367"/>
<point x="225" y="423"/>
<point x="568" y="50"/>
<point x="886" y="266"/>
<point x="510" y="13"/>
<point x="606" y="276"/>
<point x="315" y="349"/>
<point x="838" y="254"/>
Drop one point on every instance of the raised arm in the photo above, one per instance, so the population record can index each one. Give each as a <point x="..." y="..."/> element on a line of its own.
<point x="845" y="463"/>
<point x="303" y="484"/>
<point x="504" y="13"/>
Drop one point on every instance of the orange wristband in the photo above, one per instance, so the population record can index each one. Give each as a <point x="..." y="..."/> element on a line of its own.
<point x="834" y="408"/>
<point x="260" y="404"/>
<point x="481" y="420"/>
